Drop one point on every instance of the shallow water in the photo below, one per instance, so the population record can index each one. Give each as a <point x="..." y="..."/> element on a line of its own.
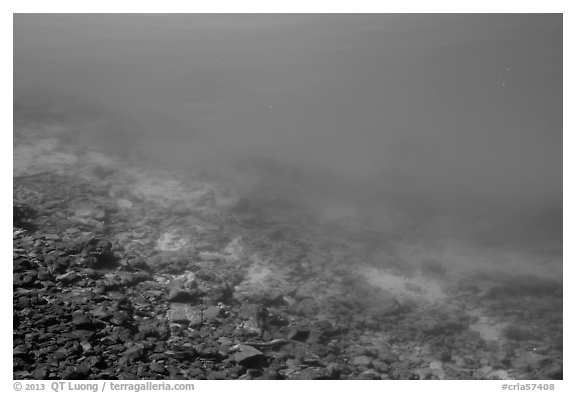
<point x="413" y="161"/>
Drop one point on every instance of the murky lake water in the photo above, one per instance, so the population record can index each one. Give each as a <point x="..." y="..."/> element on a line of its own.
<point x="454" y="120"/>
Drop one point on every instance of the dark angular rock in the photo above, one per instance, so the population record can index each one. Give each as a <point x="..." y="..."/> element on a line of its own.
<point x="61" y="264"/>
<point x="298" y="334"/>
<point x="83" y="321"/>
<point x="21" y="265"/>
<point x="180" y="294"/>
<point x="247" y="354"/>
<point x="23" y="302"/>
<point x="253" y="373"/>
<point x="97" y="253"/>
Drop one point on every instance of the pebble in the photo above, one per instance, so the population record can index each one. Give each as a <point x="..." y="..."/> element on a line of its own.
<point x="68" y="278"/>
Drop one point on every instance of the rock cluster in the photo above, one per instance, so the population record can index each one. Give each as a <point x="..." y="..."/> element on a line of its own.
<point x="109" y="284"/>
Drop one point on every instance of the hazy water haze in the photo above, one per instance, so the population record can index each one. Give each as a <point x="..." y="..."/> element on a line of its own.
<point x="459" y="116"/>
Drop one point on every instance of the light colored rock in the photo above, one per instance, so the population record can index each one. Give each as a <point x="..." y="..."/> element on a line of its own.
<point x="364" y="361"/>
<point x="184" y="313"/>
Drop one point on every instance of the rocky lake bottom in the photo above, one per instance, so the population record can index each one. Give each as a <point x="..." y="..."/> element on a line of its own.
<point x="126" y="272"/>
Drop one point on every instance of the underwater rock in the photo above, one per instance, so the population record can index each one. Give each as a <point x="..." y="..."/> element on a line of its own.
<point x="185" y="314"/>
<point x="247" y="354"/>
<point x="195" y="281"/>
<point x="157" y="368"/>
<point x="133" y="352"/>
<point x="120" y="318"/>
<point x="362" y="361"/>
<point x="369" y="375"/>
<point x="211" y="314"/>
<point x="298" y="333"/>
<point x="183" y="288"/>
<point x="312" y="373"/>
<point x="41" y="372"/>
<point x="68" y="278"/>
<point x="84" y="322"/>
